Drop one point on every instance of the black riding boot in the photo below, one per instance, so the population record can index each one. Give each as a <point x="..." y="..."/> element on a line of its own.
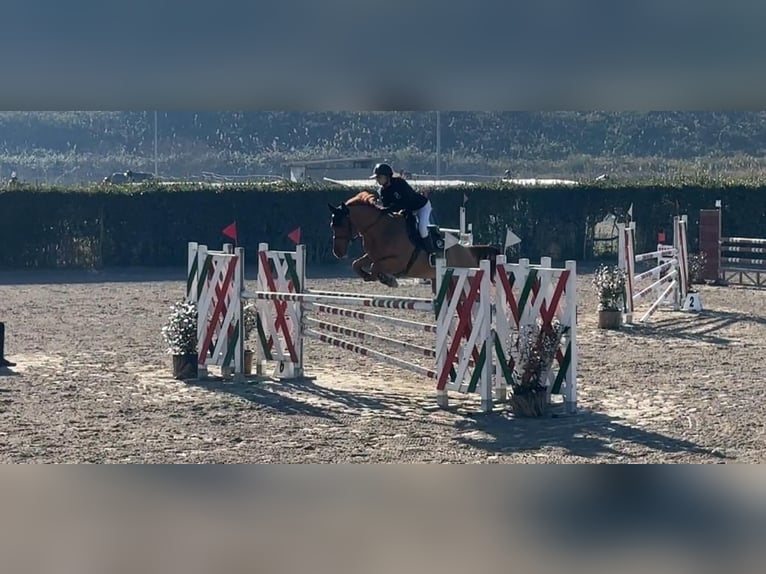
<point x="428" y="244"/>
<point x="3" y="361"/>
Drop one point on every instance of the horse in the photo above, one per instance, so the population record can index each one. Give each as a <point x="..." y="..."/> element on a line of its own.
<point x="387" y="241"/>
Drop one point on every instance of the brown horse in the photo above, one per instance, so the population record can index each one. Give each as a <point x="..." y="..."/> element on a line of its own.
<point x="389" y="251"/>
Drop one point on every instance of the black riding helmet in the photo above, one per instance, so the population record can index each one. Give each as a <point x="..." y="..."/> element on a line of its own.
<point x="382" y="169"/>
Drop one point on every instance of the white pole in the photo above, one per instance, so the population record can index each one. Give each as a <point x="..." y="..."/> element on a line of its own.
<point x="438" y="145"/>
<point x="155" y="145"/>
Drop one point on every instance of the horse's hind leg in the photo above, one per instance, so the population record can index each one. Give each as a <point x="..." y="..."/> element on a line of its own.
<point x="386" y="278"/>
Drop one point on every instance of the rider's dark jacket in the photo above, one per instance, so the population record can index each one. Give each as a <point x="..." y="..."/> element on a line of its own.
<point x="399" y="195"/>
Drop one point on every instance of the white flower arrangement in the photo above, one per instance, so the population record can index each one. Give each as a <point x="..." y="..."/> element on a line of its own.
<point x="249" y="316"/>
<point x="609" y="281"/>
<point x="180" y="329"/>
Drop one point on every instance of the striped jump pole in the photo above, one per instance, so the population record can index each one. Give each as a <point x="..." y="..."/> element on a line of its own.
<point x="412" y="304"/>
<point x="347" y="331"/>
<point x="367" y="352"/>
<point x="372" y="317"/>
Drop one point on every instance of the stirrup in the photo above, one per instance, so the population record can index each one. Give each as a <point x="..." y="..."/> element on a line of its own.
<point x="427" y="244"/>
<point x="436" y="237"/>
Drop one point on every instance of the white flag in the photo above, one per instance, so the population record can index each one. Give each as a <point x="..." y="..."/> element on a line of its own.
<point x="450" y="240"/>
<point x="511" y="238"/>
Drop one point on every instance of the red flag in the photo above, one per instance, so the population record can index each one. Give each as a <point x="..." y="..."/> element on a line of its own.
<point x="231" y="231"/>
<point x="295" y="235"/>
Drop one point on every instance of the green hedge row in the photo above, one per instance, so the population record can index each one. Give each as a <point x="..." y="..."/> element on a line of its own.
<point x="149" y="225"/>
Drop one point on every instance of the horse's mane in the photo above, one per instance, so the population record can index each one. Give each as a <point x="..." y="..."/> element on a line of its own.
<point x="364" y="198"/>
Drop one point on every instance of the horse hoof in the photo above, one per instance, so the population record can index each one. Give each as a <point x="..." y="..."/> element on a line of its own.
<point x="389" y="281"/>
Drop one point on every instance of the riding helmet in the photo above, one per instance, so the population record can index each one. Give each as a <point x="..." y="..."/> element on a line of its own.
<point x="382" y="169"/>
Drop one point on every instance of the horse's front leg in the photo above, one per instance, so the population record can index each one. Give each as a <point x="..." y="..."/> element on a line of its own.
<point x="386" y="278"/>
<point x="359" y="267"/>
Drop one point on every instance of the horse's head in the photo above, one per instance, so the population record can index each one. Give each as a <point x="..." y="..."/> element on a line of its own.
<point x="347" y="226"/>
<point x="342" y="229"/>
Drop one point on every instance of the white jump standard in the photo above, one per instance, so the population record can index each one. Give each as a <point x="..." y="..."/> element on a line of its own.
<point x="668" y="279"/>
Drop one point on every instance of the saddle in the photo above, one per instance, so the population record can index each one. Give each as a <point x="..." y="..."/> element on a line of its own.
<point x="436" y="237"/>
<point x="413" y="234"/>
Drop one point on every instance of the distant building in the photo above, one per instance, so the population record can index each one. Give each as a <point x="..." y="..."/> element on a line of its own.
<point x="341" y="168"/>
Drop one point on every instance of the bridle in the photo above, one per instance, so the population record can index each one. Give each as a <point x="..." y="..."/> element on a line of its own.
<point x="347" y="236"/>
<point x="351" y="236"/>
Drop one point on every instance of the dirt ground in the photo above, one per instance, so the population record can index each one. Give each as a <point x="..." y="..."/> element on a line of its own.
<point x="94" y="384"/>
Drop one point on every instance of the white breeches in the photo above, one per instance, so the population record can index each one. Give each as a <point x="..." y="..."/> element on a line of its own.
<point x="424" y="219"/>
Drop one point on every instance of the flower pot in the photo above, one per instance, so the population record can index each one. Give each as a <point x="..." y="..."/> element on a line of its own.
<point x="248" y="366"/>
<point x="185" y="366"/>
<point x="609" y="319"/>
<point x="529" y="402"/>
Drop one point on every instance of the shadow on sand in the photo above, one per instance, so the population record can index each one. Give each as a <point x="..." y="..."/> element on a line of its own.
<point x="587" y="434"/>
<point x="702" y="328"/>
<point x="305" y="397"/>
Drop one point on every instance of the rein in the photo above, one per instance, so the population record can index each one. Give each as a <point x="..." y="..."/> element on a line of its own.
<point x="373" y="224"/>
<point x="413" y="256"/>
<point x="359" y="232"/>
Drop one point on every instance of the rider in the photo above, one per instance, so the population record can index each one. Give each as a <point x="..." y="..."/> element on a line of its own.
<point x="396" y="194"/>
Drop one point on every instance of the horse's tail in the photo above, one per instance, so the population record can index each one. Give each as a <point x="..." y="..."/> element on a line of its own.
<point x="484" y="252"/>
